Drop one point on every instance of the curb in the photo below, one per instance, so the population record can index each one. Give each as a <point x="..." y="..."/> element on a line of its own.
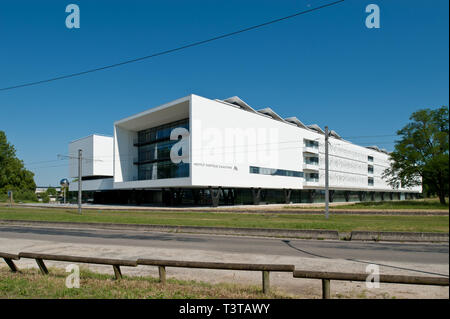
<point x="400" y="236"/>
<point x="261" y="232"/>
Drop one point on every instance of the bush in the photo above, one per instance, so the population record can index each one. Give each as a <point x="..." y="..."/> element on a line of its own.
<point x="19" y="195"/>
<point x="25" y="196"/>
<point x="45" y="198"/>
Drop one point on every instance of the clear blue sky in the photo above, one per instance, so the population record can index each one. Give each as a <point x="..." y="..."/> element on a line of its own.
<point x="325" y="67"/>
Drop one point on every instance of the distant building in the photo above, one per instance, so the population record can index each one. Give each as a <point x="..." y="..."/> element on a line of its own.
<point x="235" y="155"/>
<point x="43" y="189"/>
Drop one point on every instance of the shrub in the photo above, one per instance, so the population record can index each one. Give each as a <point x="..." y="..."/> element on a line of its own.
<point x="25" y="196"/>
<point x="45" y="198"/>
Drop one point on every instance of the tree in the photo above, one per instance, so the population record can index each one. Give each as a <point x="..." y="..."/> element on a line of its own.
<point x="45" y="198"/>
<point x="13" y="174"/>
<point x="51" y="191"/>
<point x="422" y="154"/>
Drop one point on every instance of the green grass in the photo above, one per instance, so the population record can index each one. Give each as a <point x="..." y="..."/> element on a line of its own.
<point x="241" y="220"/>
<point x="29" y="283"/>
<point x="421" y="205"/>
<point x="407" y="204"/>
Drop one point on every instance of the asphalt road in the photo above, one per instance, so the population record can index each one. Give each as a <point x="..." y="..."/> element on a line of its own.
<point x="422" y="253"/>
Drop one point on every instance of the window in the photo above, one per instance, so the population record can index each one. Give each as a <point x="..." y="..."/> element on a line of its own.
<point x="161" y="170"/>
<point x="161" y="132"/>
<point x="370" y="169"/>
<point x="370" y="158"/>
<point x="370" y="181"/>
<point x="274" y="172"/>
<point x="154" y="147"/>
<point x="313" y="160"/>
<point x="312" y="144"/>
<point x="312" y="177"/>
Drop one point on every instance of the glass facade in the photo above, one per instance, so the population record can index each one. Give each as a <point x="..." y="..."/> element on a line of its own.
<point x="274" y="172"/>
<point x="154" y="147"/>
<point x="159" y="133"/>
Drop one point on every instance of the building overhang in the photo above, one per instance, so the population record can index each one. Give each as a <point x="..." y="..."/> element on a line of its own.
<point x="175" y="110"/>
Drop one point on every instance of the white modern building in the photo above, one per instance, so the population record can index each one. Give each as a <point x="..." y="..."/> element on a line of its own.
<point x="196" y="150"/>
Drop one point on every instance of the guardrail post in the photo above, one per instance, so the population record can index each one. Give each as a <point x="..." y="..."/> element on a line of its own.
<point x="326" y="289"/>
<point x="42" y="266"/>
<point x="265" y="281"/>
<point x="117" y="272"/>
<point x="162" y="274"/>
<point x="11" y="264"/>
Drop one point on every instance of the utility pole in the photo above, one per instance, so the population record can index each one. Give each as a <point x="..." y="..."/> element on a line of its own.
<point x="80" y="153"/>
<point x="327" y="193"/>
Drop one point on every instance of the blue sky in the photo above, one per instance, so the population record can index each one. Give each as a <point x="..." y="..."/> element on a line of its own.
<point x="325" y="67"/>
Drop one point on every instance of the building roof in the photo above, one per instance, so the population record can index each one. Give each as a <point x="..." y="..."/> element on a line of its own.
<point x="238" y="102"/>
<point x="268" y="111"/>
<point x="235" y="100"/>
<point x="316" y="128"/>
<point x="296" y="121"/>
<point x="335" y="134"/>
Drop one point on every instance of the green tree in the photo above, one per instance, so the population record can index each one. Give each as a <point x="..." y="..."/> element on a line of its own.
<point x="13" y="174"/>
<point x="422" y="155"/>
<point x="45" y="198"/>
<point x="51" y="191"/>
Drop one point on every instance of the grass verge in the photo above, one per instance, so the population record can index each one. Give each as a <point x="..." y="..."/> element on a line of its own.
<point x="413" y="205"/>
<point x="29" y="283"/>
<point x="240" y="220"/>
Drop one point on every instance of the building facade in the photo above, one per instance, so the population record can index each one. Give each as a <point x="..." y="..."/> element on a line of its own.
<point x="200" y="151"/>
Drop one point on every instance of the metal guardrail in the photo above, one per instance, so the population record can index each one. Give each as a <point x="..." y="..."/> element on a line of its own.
<point x="326" y="277"/>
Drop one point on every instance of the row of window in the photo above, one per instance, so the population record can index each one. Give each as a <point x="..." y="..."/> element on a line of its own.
<point x="274" y="171"/>
<point x="160" y="132"/>
<point x="155" y="151"/>
<point x="154" y="147"/>
<point x="161" y="170"/>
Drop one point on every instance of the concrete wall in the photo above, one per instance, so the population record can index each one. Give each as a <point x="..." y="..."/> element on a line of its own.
<point x="226" y="140"/>
<point x="97" y="153"/>
<point x="125" y="134"/>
